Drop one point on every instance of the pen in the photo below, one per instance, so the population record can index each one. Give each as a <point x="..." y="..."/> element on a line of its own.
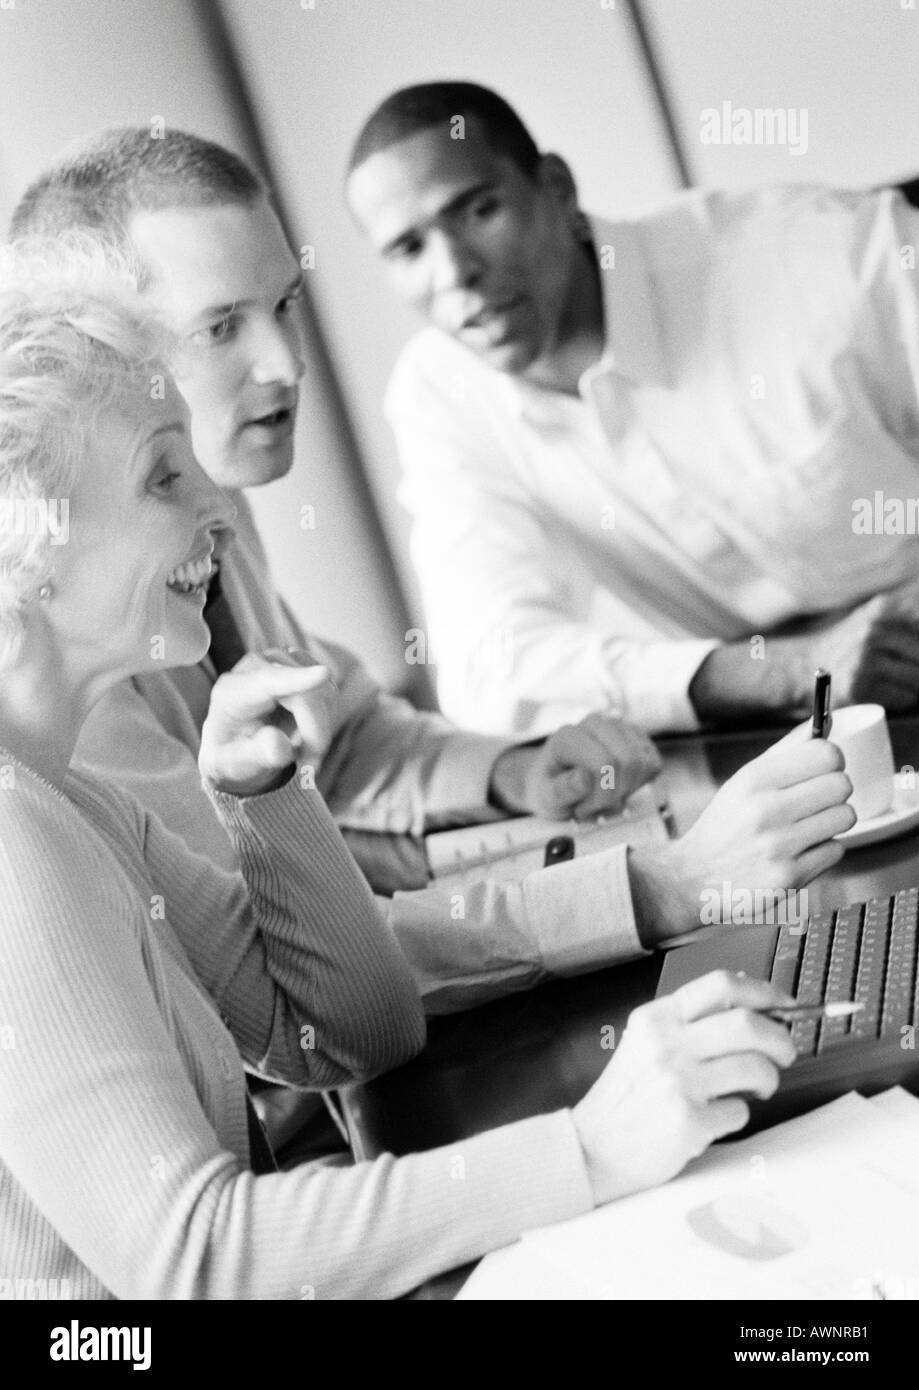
<point x="820" y="722"/>
<point x="833" y="1009"/>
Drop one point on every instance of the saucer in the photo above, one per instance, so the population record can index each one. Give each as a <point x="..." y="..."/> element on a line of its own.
<point x="901" y="816"/>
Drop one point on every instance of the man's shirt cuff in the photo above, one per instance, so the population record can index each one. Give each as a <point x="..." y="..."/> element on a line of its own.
<point x="658" y="694"/>
<point x="582" y="913"/>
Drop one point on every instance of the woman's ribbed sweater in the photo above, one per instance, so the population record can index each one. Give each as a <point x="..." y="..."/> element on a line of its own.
<point x="123" y="1140"/>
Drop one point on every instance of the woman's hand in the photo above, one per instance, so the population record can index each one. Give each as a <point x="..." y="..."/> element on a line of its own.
<point x="678" y="1079"/>
<point x="252" y="733"/>
<point x="314" y="712"/>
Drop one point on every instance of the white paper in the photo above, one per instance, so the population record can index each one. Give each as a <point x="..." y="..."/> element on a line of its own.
<point x="897" y="1102"/>
<point x="825" y="1206"/>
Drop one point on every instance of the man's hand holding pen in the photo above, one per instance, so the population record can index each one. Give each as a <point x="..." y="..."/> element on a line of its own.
<point x="771" y="827"/>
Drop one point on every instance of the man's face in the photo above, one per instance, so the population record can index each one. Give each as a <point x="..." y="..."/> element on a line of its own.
<point x="482" y="251"/>
<point x="225" y="280"/>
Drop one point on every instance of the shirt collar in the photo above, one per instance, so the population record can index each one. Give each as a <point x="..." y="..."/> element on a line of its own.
<point x="633" y="344"/>
<point x="632" y="335"/>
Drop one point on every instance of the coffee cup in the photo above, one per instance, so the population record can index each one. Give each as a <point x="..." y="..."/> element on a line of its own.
<point x="861" y="734"/>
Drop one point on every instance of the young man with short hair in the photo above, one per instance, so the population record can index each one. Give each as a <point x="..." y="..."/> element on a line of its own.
<point x="647" y="446"/>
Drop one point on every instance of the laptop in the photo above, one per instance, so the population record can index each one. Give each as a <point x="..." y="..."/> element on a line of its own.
<point x="866" y="951"/>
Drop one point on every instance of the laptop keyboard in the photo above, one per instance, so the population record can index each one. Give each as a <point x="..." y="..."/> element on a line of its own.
<point x="866" y="952"/>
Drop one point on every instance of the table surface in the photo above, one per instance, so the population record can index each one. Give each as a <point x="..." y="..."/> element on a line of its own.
<point x="540" y="1050"/>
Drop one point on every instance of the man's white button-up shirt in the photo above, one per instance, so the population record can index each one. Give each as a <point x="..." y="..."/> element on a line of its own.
<point x="709" y="482"/>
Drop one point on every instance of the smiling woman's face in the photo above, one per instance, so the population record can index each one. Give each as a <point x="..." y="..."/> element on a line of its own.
<point x="129" y="585"/>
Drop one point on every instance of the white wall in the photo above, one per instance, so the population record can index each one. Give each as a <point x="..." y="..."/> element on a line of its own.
<point x="853" y="64"/>
<point x="70" y="67"/>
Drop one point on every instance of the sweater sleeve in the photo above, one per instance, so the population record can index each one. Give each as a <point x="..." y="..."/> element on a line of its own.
<point x="462" y="947"/>
<point x="301" y="963"/>
<point x="107" y="1156"/>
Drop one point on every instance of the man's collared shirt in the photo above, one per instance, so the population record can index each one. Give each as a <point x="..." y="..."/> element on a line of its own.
<point x="709" y="482"/>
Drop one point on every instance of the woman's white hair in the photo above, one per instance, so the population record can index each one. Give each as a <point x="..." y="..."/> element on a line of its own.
<point x="74" y="341"/>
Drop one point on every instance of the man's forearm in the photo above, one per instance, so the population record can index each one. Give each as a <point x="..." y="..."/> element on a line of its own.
<point x="763" y="675"/>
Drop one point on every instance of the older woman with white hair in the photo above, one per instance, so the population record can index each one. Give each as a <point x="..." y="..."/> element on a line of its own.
<point x="136" y="979"/>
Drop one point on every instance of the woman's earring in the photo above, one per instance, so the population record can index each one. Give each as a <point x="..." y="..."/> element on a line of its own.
<point x="45" y="592"/>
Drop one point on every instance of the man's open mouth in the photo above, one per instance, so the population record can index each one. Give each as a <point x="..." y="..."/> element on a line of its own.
<point x="491" y="314"/>
<point x="274" y="418"/>
<point x="282" y="418"/>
